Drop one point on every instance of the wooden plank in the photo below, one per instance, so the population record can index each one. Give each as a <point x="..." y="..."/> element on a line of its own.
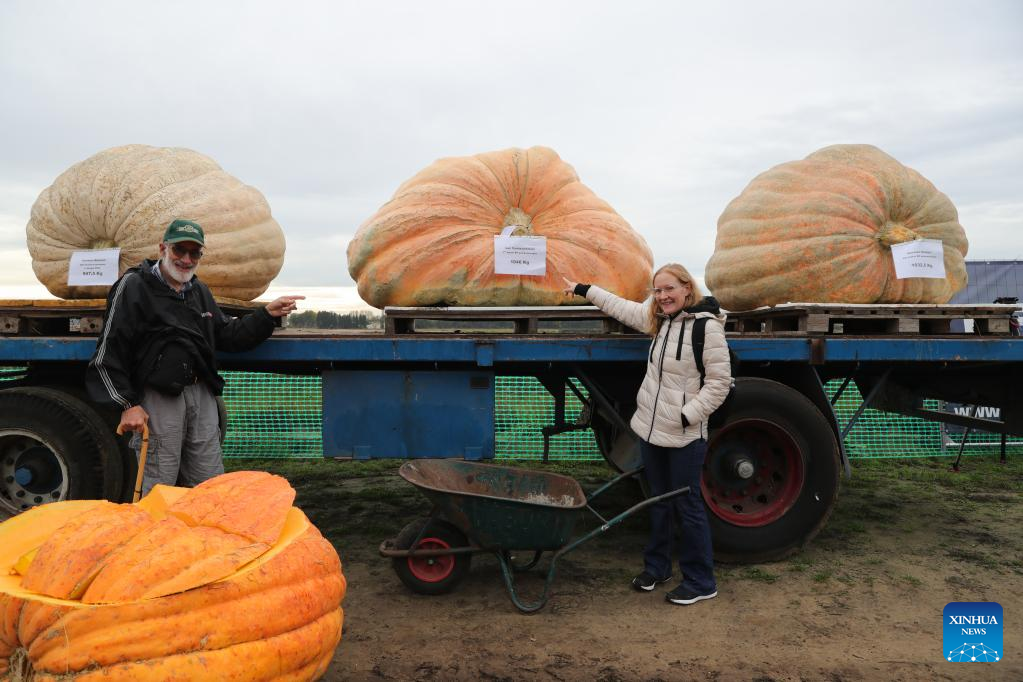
<point x="59" y="317"/>
<point x="904" y="325"/>
<point x="524" y="319"/>
<point x="865" y="319"/>
<point x="923" y="308"/>
<point x="55" y="303"/>
<point x="496" y="313"/>
<point x="816" y="324"/>
<point x="992" y="326"/>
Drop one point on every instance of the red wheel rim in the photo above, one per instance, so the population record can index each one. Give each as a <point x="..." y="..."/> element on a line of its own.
<point x="432" y="569"/>
<point x="753" y="473"/>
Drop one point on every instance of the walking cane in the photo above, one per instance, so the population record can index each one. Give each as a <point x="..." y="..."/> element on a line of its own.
<point x="142" y="461"/>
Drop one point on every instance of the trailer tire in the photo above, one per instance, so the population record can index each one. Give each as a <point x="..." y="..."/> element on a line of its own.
<point x="118" y="460"/>
<point x="436" y="575"/>
<point x="771" y="476"/>
<point x="53" y="447"/>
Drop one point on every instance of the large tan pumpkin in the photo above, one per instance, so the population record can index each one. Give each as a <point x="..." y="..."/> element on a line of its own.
<point x="821" y="230"/>
<point x="126" y="197"/>
<point x="226" y="581"/>
<point x="432" y="243"/>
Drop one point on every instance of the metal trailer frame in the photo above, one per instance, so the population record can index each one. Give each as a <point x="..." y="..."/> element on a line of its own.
<point x="783" y="430"/>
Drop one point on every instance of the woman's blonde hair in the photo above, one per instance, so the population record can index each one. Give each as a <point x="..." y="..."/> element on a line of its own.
<point x="683" y="276"/>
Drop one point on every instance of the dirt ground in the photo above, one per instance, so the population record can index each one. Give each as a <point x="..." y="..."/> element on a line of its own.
<point x="863" y="602"/>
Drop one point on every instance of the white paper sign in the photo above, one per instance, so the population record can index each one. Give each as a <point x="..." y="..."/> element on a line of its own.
<point x="919" y="258"/>
<point x="520" y="255"/>
<point x="97" y="267"/>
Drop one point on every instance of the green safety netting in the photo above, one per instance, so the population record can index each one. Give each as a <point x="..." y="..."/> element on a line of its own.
<point x="260" y="427"/>
<point x="275" y="415"/>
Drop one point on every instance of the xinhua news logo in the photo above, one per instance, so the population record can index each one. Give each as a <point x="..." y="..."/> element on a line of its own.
<point x="972" y="631"/>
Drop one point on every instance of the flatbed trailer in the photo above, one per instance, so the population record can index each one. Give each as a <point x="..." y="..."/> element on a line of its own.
<point x="424" y="386"/>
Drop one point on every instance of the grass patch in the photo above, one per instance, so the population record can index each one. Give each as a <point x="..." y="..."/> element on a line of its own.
<point x="977" y="474"/>
<point x="800" y="563"/>
<point x="973" y="557"/>
<point x="759" y="575"/>
<point x="899" y="503"/>
<point x="320" y="468"/>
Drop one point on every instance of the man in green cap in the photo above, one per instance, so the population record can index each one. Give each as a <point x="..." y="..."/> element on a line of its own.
<point x="156" y="357"/>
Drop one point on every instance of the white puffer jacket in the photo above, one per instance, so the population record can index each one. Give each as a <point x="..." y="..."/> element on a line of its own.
<point x="671" y="387"/>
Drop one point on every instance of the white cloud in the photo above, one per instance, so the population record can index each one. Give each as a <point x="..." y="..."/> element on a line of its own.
<point x="17" y="268"/>
<point x="337" y="299"/>
<point x="666" y="110"/>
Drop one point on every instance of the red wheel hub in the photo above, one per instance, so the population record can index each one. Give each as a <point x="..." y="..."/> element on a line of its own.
<point x="432" y="569"/>
<point x="753" y="473"/>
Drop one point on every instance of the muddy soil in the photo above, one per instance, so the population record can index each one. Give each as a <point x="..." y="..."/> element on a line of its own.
<point x="863" y="602"/>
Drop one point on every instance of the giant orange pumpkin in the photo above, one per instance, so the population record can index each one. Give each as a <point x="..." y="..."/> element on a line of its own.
<point x="821" y="229"/>
<point x="226" y="581"/>
<point x="432" y="243"/>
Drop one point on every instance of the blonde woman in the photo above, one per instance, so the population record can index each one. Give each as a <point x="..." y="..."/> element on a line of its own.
<point x="672" y="409"/>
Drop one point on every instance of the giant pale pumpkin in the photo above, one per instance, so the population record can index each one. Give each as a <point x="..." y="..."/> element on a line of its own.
<point x="126" y="196"/>
<point x="226" y="581"/>
<point x="821" y="230"/>
<point x="432" y="243"/>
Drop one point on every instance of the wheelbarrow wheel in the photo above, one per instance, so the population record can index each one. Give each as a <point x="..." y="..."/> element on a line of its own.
<point x="435" y="574"/>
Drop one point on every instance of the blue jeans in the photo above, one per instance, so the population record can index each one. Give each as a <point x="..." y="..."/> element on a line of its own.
<point x="668" y="469"/>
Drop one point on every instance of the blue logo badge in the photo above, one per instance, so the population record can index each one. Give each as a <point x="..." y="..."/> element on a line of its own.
<point x="972" y="631"/>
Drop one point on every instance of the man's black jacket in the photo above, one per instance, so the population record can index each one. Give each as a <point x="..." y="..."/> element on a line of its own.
<point x="144" y="315"/>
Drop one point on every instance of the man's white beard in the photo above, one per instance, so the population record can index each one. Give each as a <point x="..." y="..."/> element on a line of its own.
<point x="174" y="272"/>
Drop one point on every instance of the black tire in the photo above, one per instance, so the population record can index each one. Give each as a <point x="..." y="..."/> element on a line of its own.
<point x="771" y="477"/>
<point x="118" y="461"/>
<point x="52" y="447"/>
<point x="434" y="575"/>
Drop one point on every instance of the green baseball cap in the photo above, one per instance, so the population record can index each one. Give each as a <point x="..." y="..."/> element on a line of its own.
<point x="184" y="231"/>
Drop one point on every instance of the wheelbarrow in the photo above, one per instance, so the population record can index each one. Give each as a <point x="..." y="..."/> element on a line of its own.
<point x="496" y="509"/>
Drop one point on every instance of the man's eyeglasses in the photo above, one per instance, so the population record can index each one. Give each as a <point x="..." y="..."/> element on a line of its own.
<point x="657" y="291"/>
<point x="181" y="251"/>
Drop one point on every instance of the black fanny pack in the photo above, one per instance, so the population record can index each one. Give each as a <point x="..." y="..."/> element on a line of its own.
<point x="173" y="370"/>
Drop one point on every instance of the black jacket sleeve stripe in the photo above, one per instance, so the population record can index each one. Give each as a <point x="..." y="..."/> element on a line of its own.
<point x="98" y="359"/>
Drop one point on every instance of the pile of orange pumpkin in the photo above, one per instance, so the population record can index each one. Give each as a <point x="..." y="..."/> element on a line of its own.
<point x="224" y="581"/>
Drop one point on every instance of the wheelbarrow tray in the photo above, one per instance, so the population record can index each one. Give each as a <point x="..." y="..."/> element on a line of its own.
<point x="500" y="508"/>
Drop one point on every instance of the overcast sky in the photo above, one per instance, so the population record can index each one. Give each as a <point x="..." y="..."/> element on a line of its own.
<point x="665" y="109"/>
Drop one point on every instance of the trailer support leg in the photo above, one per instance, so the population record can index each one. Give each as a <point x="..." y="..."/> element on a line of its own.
<point x="962" y="444"/>
<point x="866" y="402"/>
<point x="556" y="387"/>
<point x="598" y="397"/>
<point x="841" y="390"/>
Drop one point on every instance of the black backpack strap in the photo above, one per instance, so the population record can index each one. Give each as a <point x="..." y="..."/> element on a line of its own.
<point x="699" y="335"/>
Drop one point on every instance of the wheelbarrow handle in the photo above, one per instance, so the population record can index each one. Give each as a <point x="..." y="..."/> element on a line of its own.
<point x="137" y="495"/>
<point x="506" y="568"/>
<point x="614" y="481"/>
<point x="620" y="517"/>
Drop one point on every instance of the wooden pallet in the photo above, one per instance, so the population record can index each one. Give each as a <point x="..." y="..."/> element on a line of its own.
<point x="519" y="320"/>
<point x="801" y="319"/>
<point x="57" y="317"/>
